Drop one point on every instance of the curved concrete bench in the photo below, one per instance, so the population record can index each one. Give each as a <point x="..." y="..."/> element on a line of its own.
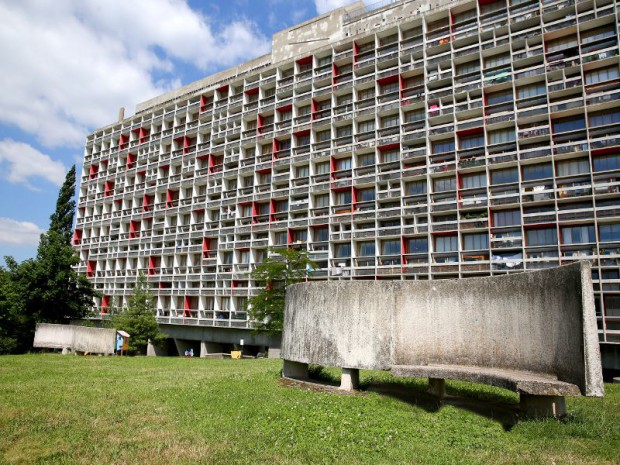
<point x="533" y="333"/>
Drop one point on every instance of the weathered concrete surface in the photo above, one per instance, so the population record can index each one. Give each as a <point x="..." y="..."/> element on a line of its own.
<point x="75" y="338"/>
<point x="345" y="324"/>
<point x="541" y="322"/>
<point x="350" y="379"/>
<point x="294" y="370"/>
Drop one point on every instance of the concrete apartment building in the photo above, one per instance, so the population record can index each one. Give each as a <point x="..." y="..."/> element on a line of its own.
<point x="403" y="140"/>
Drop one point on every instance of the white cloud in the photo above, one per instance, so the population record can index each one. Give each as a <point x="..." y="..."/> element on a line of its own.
<point x="20" y="162"/>
<point x="323" y="6"/>
<point x="18" y="233"/>
<point x="68" y="66"/>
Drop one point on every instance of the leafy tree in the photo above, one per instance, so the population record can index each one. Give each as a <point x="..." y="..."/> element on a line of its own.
<point x="276" y="273"/>
<point x="138" y="319"/>
<point x="58" y="292"/>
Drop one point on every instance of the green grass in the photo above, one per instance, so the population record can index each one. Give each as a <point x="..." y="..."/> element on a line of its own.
<point x="66" y="409"/>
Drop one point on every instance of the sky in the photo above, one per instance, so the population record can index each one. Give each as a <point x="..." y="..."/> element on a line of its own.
<point x="69" y="65"/>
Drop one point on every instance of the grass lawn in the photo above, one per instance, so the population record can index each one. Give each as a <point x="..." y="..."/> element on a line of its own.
<point x="92" y="410"/>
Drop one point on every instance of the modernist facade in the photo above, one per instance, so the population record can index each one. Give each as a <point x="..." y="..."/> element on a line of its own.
<point x="419" y="140"/>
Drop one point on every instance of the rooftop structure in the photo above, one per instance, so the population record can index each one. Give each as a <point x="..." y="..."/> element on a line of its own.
<point x="406" y="140"/>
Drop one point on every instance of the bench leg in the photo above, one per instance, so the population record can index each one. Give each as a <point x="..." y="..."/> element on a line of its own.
<point x="294" y="370"/>
<point x="437" y="387"/>
<point x="350" y="379"/>
<point x="542" y="406"/>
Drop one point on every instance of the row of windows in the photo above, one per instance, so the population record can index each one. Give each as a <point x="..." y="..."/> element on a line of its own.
<point x="443" y="244"/>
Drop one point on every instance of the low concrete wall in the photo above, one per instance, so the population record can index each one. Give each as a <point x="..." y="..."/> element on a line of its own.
<point x="77" y="338"/>
<point x="541" y="321"/>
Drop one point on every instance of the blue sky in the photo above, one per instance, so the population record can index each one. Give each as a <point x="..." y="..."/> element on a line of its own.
<point x="68" y="65"/>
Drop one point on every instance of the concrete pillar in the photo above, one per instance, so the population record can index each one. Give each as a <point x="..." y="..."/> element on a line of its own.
<point x="155" y="351"/>
<point x="273" y="352"/>
<point x="182" y="345"/>
<point x="437" y="387"/>
<point x="350" y="379"/>
<point x="542" y="406"/>
<point x="294" y="369"/>
<point x="207" y="348"/>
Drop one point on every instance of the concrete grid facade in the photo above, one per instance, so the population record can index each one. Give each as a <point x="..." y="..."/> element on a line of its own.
<point x="417" y="140"/>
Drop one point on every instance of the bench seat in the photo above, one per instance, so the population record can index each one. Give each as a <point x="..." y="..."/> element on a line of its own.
<point x="522" y="382"/>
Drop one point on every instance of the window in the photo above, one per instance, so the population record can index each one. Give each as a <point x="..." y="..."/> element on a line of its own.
<point x="444" y="184"/>
<point x="324" y="61"/>
<point x="366" y="126"/>
<point x="532" y="90"/>
<point x="303" y="171"/>
<point x="342" y="198"/>
<point x="250" y="124"/>
<point x="542" y="237"/>
<point x="469" y="67"/>
<point x="541" y="171"/>
<point x="443" y="146"/>
<point x="416" y="188"/>
<point x="609" y="232"/>
<point x="500" y="97"/>
<point x="561" y="44"/>
<point x="471" y="181"/>
<point x="342" y="250"/>
<point x="262" y="208"/>
<point x="497" y="60"/>
<point x="365" y="94"/>
<point x="344" y="131"/>
<point x="502" y="136"/>
<point x="578" y="235"/>
<point x="469" y="142"/>
<point x="389" y="88"/>
<point x="417" y="245"/>
<point x="366" y="195"/>
<point x="321" y="234"/>
<point x="606" y="162"/>
<point x="593" y="35"/>
<point x="390" y="156"/>
<point x="600" y="75"/>
<point x="281" y="238"/>
<point x="264" y="178"/>
<point x="322" y="136"/>
<point x="604" y="118"/>
<point x="475" y="241"/>
<point x="574" y="123"/>
<point x="284" y="144"/>
<point x="416" y="115"/>
<point x="366" y="160"/>
<point x="300" y="235"/>
<point x="246" y="211"/>
<point x="281" y="206"/>
<point x="390" y="121"/>
<point x="244" y="256"/>
<point x="305" y="110"/>
<point x="322" y="168"/>
<point x="270" y="92"/>
<point x="303" y="140"/>
<point x="343" y="164"/>
<point x="227" y="258"/>
<point x="344" y="99"/>
<point x="321" y="200"/>
<point x="504" y="176"/>
<point x="366" y="249"/>
<point x="507" y="218"/>
<point x="324" y="105"/>
<point x="286" y="115"/>
<point x="446" y="244"/>
<point x="390" y="247"/>
<point x="573" y="167"/>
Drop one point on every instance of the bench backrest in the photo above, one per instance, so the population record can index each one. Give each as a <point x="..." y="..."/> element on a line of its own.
<point x="540" y="321"/>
